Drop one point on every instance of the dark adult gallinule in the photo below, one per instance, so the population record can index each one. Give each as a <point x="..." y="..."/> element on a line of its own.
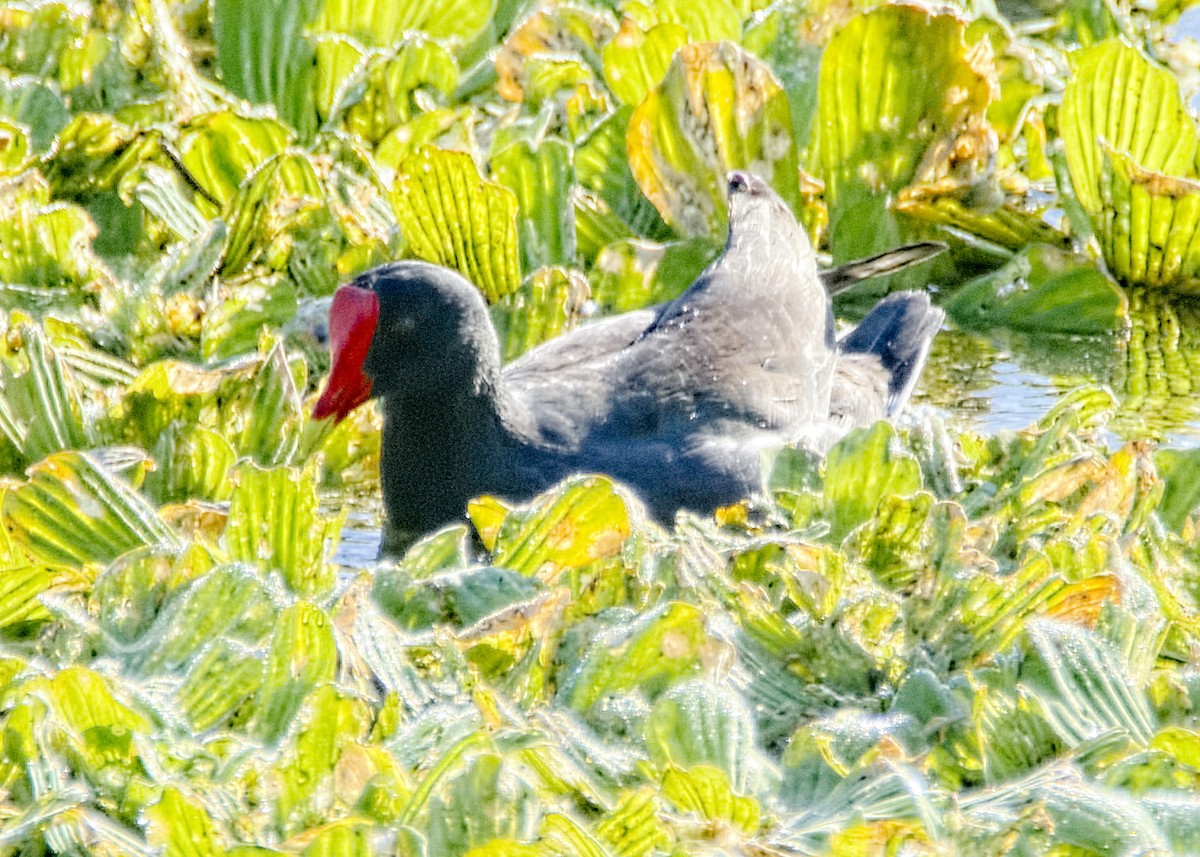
<point x="677" y="401"/>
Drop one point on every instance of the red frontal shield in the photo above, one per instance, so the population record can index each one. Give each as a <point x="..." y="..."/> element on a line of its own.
<point x="353" y="316"/>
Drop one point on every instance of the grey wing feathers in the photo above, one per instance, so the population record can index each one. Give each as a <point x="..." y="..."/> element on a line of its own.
<point x="898" y="331"/>
<point x="560" y="379"/>
<point x="839" y="279"/>
<point x="596" y="341"/>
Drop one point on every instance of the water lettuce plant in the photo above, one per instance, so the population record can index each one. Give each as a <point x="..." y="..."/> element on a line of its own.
<point x="932" y="641"/>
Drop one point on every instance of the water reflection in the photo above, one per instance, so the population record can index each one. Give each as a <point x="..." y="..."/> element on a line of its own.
<point x="1007" y="379"/>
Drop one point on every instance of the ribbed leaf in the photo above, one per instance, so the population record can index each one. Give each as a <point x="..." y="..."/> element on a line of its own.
<point x="21" y="588"/>
<point x="1116" y="98"/>
<point x="636" y="60"/>
<point x="705" y="791"/>
<point x="602" y="168"/>
<point x="302" y="655"/>
<point x="547" y="305"/>
<point x="73" y="511"/>
<point x="451" y="216"/>
<point x="328" y="723"/>
<point x="655" y="651"/>
<point x="381" y="24"/>
<point x="274" y="411"/>
<point x="633" y="828"/>
<point x="717" y="109"/>
<point x="695" y="723"/>
<point x="234" y="325"/>
<point x="230" y="600"/>
<point x="541" y="178"/>
<point x="193" y="463"/>
<point x="396" y="87"/>
<point x="584" y="521"/>
<point x="265" y="57"/>
<point x="221" y="150"/>
<point x="48" y="247"/>
<point x="1148" y="225"/>
<point x="222" y="680"/>
<point x="877" y="118"/>
<point x="704" y="20"/>
<point x="40" y="410"/>
<point x="181" y="828"/>
<point x="274" y="524"/>
<point x="634" y="274"/>
<point x="861" y="470"/>
<point x="1083" y="687"/>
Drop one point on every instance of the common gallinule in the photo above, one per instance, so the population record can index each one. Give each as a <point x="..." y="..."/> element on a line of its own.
<point x="677" y="401"/>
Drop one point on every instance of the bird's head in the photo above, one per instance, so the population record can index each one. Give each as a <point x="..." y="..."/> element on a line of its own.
<point x="406" y="327"/>
<point x="759" y="217"/>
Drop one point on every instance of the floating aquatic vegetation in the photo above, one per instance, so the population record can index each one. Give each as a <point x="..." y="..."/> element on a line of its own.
<point x="930" y="641"/>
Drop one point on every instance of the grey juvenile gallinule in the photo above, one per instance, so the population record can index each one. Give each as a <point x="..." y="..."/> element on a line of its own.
<point x="677" y="401"/>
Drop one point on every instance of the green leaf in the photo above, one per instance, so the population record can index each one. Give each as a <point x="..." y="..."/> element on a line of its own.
<point x="695" y="723"/>
<point x="541" y="177"/>
<point x="482" y="802"/>
<point x="302" y="655"/>
<point x="1042" y="289"/>
<point x="633" y="828"/>
<point x="181" y="827"/>
<point x="704" y="20"/>
<point x="547" y="305"/>
<point x="350" y="838"/>
<point x="1083" y="688"/>
<point x="265" y="57"/>
<point x="1133" y="164"/>
<point x="717" y="109"/>
<point x="14" y="148"/>
<point x="1180" y="471"/>
<point x="221" y="150"/>
<point x="90" y="721"/>
<point x="451" y="216"/>
<point x="34" y="106"/>
<point x="383" y="24"/>
<point x="706" y="791"/>
<point x="273" y="412"/>
<point x="235" y="325"/>
<point x="192" y="463"/>
<point x="274" y="523"/>
<point x="1148" y="225"/>
<point x="633" y="274"/>
<point x="636" y="59"/>
<point x="1147" y="122"/>
<point x="48" y="256"/>
<point x="128" y="595"/>
<point x="74" y="510"/>
<point x="21" y="588"/>
<point x="396" y="87"/>
<point x="222" y="680"/>
<point x="583" y="521"/>
<point x="326" y="726"/>
<point x="227" y="601"/>
<point x="40" y="409"/>
<point x="877" y="120"/>
<point x="602" y="168"/>
<point x="860" y="470"/>
<point x="459" y="598"/>
<point x="654" y="651"/>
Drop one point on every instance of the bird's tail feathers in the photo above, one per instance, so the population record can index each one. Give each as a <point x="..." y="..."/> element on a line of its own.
<point x="898" y="331"/>
<point x="839" y="279"/>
